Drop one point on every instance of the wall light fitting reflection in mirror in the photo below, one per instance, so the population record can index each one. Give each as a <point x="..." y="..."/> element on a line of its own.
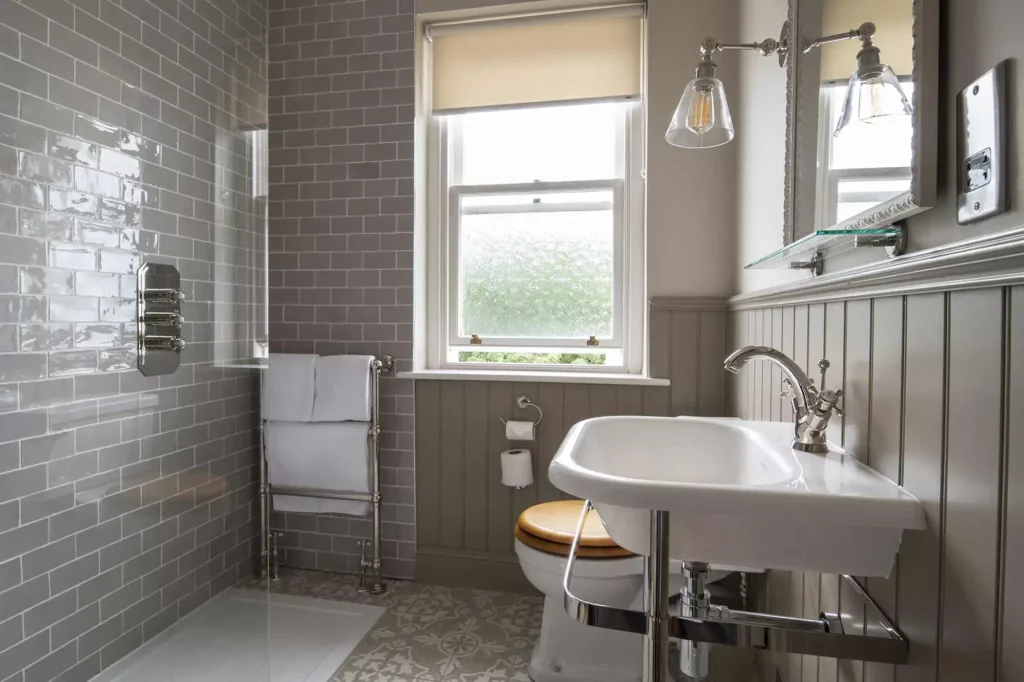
<point x="702" y="117"/>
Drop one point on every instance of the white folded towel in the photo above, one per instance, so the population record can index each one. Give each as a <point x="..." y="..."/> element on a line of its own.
<point x="289" y="388"/>
<point x="333" y="456"/>
<point x="343" y="388"/>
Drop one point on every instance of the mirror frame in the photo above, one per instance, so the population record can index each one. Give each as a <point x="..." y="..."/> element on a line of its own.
<point x="924" y="145"/>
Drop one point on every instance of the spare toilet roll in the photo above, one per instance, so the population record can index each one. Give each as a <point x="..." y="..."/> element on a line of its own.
<point x="516" y="468"/>
<point x="519" y="430"/>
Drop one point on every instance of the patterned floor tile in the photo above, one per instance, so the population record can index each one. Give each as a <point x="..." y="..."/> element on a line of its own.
<point x="430" y="633"/>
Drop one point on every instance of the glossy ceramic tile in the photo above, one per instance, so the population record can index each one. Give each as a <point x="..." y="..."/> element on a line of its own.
<point x="120" y="513"/>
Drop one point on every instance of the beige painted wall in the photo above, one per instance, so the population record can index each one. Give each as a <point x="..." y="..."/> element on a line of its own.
<point x="691" y="195"/>
<point x="759" y="111"/>
<point x="975" y="35"/>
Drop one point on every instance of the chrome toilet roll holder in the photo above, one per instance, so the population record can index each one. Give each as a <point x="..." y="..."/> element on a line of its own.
<point x="522" y="402"/>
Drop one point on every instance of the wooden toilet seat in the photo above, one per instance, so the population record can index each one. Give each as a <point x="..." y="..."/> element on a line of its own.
<point x="549" y="527"/>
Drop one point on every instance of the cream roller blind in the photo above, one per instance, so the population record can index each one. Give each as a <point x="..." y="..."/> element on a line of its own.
<point x="566" y="57"/>
<point x="894" y="21"/>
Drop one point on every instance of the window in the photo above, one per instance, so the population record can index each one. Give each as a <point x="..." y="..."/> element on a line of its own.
<point x="865" y="166"/>
<point x="535" y="234"/>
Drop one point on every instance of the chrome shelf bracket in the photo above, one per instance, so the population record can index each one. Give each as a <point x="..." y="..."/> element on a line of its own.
<point x="894" y="244"/>
<point x="828" y="635"/>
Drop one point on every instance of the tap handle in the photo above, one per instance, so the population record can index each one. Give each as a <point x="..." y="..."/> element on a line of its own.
<point x="787" y="392"/>
<point x="828" y="401"/>
<point x="823" y="365"/>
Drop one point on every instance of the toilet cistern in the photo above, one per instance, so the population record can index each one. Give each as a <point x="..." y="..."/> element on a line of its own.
<point x="812" y="407"/>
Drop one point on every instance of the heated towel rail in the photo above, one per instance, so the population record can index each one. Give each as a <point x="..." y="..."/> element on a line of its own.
<point x="268" y="538"/>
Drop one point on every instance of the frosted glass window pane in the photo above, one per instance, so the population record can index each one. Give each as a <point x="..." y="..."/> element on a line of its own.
<point x="870" y="145"/>
<point x="537" y="275"/>
<point x="549" y="144"/>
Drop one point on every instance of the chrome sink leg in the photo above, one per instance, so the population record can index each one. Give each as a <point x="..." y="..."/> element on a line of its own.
<point x="656" y="602"/>
<point x="693" y="656"/>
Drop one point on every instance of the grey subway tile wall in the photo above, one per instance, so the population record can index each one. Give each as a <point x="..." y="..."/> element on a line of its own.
<point x="129" y="132"/>
<point x="341" y="165"/>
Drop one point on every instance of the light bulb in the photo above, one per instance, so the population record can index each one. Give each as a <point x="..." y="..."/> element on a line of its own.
<point x="872" y="101"/>
<point x="701" y="119"/>
<point x="701" y="116"/>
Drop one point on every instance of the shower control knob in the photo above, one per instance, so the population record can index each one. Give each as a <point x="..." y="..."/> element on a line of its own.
<point x="171" y="343"/>
<point x="161" y="318"/>
<point x="163" y="295"/>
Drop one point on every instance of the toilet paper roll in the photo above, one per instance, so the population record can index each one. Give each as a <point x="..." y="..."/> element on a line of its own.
<point x="516" y="468"/>
<point x="519" y="430"/>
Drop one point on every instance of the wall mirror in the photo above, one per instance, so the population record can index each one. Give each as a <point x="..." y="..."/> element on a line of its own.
<point x="861" y="124"/>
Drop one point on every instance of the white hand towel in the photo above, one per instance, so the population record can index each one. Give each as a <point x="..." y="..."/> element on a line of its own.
<point x="289" y="388"/>
<point x="343" y="389"/>
<point x="333" y="456"/>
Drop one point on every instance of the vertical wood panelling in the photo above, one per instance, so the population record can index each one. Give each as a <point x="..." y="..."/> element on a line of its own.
<point x="499" y="497"/>
<point x="711" y="376"/>
<point x="934" y="396"/>
<point x="549" y="437"/>
<point x="757" y="368"/>
<point x="835" y="351"/>
<point x="603" y="400"/>
<point x="452" y="453"/>
<point x="577" y="408"/>
<point x="1011" y="659"/>
<point x="885" y="442"/>
<point x="478" y="454"/>
<point x="656" y="398"/>
<point x="798" y="595"/>
<point x="812" y="581"/>
<point x="788" y="341"/>
<point x="528" y="496"/>
<point x="858" y="390"/>
<point x="629" y="400"/>
<point x="775" y="402"/>
<point x="971" y="549"/>
<point x="748" y="370"/>
<point x="766" y="369"/>
<point x="428" y="451"/>
<point x="918" y="581"/>
<point x="856" y="403"/>
<point x="801" y="334"/>
<point x="685" y="361"/>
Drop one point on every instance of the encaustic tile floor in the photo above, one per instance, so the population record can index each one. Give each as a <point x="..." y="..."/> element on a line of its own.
<point x="429" y="633"/>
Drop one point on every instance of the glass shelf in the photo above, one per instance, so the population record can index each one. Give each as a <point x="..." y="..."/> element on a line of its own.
<point x="823" y="244"/>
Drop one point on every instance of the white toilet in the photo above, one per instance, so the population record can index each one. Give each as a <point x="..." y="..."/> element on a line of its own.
<point x="605" y="573"/>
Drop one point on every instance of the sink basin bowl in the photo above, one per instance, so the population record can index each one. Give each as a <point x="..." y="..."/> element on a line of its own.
<point x="737" y="494"/>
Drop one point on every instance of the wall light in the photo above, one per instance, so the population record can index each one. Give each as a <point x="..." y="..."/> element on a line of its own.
<point x="702" y="117"/>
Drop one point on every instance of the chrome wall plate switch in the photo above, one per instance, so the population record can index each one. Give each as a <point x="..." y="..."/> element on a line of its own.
<point x="160" y="322"/>
<point x="981" y="147"/>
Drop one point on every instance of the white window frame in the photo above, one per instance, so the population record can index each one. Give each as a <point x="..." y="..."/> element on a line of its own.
<point x="829" y="178"/>
<point x="629" y="309"/>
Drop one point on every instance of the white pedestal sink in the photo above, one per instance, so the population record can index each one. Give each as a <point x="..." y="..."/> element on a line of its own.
<point x="737" y="494"/>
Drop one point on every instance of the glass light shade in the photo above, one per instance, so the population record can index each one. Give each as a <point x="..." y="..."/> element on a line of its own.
<point x="702" y="118"/>
<point x="873" y="96"/>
